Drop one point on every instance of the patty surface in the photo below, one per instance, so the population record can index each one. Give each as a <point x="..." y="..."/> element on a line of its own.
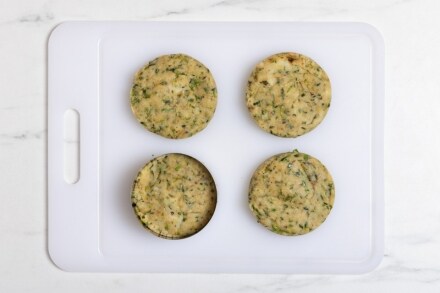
<point x="288" y="94"/>
<point x="174" y="196"/>
<point x="174" y="96"/>
<point x="291" y="193"/>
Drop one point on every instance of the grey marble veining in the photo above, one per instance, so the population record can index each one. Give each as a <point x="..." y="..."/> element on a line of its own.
<point x="37" y="17"/>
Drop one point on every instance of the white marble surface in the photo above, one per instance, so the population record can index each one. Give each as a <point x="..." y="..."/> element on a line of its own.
<point x="410" y="29"/>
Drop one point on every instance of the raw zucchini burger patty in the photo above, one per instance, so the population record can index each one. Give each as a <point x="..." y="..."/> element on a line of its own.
<point x="288" y="94"/>
<point x="291" y="193"/>
<point x="174" y="196"/>
<point x="174" y="96"/>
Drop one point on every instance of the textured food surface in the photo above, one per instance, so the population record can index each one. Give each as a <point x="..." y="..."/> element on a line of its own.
<point x="174" y="96"/>
<point x="291" y="193"/>
<point x="288" y="94"/>
<point x="174" y="196"/>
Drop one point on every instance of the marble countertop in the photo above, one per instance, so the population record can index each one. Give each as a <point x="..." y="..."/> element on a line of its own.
<point x="412" y="140"/>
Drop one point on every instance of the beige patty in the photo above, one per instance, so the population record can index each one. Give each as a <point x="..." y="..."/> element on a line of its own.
<point x="291" y="193"/>
<point x="288" y="94"/>
<point x="174" y="196"/>
<point x="174" y="96"/>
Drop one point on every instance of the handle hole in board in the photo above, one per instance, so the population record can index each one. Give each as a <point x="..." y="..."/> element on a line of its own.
<point x="71" y="145"/>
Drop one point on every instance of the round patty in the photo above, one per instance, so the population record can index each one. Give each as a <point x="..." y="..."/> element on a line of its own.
<point x="288" y="94"/>
<point x="174" y="196"/>
<point x="174" y="96"/>
<point x="291" y="193"/>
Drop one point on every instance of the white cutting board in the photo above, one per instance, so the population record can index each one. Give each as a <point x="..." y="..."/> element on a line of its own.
<point x="91" y="223"/>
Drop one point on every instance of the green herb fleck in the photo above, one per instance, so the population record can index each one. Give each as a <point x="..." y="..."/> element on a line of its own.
<point x="284" y="158"/>
<point x="193" y="83"/>
<point x="135" y="100"/>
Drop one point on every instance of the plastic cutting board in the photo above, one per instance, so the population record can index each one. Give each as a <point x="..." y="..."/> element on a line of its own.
<point x="91" y="223"/>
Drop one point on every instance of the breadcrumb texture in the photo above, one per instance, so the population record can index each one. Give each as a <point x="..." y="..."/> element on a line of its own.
<point x="288" y="94"/>
<point x="174" y="96"/>
<point x="291" y="193"/>
<point x="174" y="196"/>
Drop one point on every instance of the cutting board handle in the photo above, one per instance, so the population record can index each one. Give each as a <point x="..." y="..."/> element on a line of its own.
<point x="71" y="145"/>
